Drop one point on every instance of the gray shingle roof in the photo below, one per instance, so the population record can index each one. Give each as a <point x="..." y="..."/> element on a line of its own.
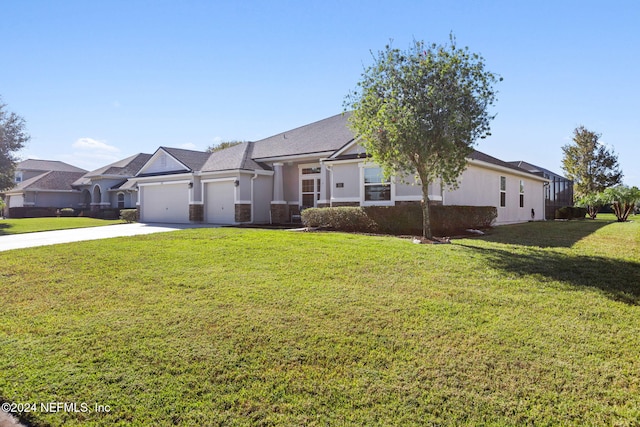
<point x="194" y="160"/>
<point x="236" y="157"/>
<point x="477" y="155"/>
<point x="52" y="180"/>
<point x="125" y="168"/>
<point x="47" y="165"/>
<point x="329" y="134"/>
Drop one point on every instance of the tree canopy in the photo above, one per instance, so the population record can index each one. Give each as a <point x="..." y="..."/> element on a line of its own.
<point x="13" y="136"/>
<point x="420" y="111"/>
<point x="589" y="163"/>
<point x="222" y="145"/>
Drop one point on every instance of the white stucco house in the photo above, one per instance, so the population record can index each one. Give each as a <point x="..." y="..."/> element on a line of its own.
<point x="317" y="165"/>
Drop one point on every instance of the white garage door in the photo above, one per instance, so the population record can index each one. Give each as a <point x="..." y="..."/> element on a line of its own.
<point x="220" y="207"/>
<point x="165" y="203"/>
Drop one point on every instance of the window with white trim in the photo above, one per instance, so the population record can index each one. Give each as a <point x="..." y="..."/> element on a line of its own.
<point x="18" y="176"/>
<point x="521" y="193"/>
<point x="310" y="185"/>
<point x="503" y="191"/>
<point x="120" y="200"/>
<point x="376" y="186"/>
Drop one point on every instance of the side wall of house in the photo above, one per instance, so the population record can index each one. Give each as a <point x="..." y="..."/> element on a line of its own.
<point x="481" y="186"/>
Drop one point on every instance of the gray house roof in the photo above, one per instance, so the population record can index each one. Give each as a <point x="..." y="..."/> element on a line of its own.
<point x="125" y="168"/>
<point x="477" y="155"/>
<point x="47" y="165"/>
<point x="194" y="160"/>
<point x="326" y="135"/>
<point x="236" y="157"/>
<point x="52" y="180"/>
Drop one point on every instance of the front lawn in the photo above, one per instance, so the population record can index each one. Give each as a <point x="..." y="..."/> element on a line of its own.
<point x="30" y="225"/>
<point x="255" y="327"/>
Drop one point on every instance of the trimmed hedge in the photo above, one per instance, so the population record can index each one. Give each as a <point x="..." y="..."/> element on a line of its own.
<point x="571" y="212"/>
<point x="404" y="219"/>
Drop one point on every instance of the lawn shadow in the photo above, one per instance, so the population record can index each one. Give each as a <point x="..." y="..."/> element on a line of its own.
<point x="3" y="227"/>
<point x="618" y="279"/>
<point x="545" y="234"/>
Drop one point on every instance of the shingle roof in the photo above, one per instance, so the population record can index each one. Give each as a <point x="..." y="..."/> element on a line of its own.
<point x="47" y="165"/>
<point x="329" y="134"/>
<point x="125" y="168"/>
<point x="194" y="160"/>
<point x="477" y="155"/>
<point x="236" y="157"/>
<point x="52" y="180"/>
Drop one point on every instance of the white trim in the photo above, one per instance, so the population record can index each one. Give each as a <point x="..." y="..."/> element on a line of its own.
<point x="165" y="177"/>
<point x="278" y="202"/>
<point x="206" y="181"/>
<point x="345" y="199"/>
<point x="295" y="202"/>
<point x="146" y="184"/>
<point x="323" y="201"/>
<point x="243" y="202"/>
<point x="293" y="157"/>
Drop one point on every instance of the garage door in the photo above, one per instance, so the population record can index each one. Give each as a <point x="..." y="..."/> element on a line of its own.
<point x="165" y="203"/>
<point x="220" y="206"/>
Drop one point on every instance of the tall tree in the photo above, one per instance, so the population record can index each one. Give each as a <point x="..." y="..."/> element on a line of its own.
<point x="12" y="138"/>
<point x="590" y="165"/>
<point x="420" y="111"/>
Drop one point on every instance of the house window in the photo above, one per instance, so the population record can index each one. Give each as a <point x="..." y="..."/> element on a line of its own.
<point x="521" y="194"/>
<point x="310" y="192"/>
<point x="503" y="191"/>
<point x="120" y="200"/>
<point x="376" y="186"/>
<point x="309" y="171"/>
<point x="309" y="185"/>
<point x="18" y="176"/>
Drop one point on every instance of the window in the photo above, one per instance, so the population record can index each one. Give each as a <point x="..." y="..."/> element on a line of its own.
<point x="521" y="194"/>
<point x="503" y="191"/>
<point x="18" y="176"/>
<point x="310" y="176"/>
<point x="376" y="186"/>
<point x="310" y="192"/>
<point x="309" y="171"/>
<point x="120" y="200"/>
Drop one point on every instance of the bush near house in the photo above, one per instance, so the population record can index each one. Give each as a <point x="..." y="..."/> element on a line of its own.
<point x="129" y="215"/>
<point x="571" y="212"/>
<point x="405" y="219"/>
<point x="67" y="212"/>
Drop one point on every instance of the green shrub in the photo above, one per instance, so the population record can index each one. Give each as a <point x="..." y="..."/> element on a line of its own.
<point x="129" y="215"/>
<point x="67" y="212"/>
<point x="403" y="219"/>
<point x="339" y="218"/>
<point x="571" y="212"/>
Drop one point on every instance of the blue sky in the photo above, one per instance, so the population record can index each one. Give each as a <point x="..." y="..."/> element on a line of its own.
<point x="98" y="81"/>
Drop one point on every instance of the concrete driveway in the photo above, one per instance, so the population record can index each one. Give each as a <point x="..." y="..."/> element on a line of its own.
<point x="44" y="238"/>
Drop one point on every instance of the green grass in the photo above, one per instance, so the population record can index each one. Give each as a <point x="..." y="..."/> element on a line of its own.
<point x="30" y="225"/>
<point x="533" y="324"/>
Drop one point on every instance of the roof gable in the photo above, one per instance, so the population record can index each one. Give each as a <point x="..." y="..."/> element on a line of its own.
<point x="162" y="162"/>
<point x="51" y="180"/>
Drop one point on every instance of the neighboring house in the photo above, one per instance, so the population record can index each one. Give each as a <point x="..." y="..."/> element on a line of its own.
<point x="107" y="187"/>
<point x="557" y="193"/>
<point x="320" y="164"/>
<point x="43" y="183"/>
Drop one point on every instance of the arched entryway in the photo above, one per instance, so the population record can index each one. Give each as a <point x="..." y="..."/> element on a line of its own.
<point x="96" y="198"/>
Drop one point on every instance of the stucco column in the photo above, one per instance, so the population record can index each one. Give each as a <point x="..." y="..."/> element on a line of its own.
<point x="278" y="183"/>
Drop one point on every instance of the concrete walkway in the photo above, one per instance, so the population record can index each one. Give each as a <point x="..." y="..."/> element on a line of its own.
<point x="44" y="238"/>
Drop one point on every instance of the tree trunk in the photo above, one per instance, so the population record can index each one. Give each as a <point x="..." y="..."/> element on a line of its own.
<point x="426" y="219"/>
